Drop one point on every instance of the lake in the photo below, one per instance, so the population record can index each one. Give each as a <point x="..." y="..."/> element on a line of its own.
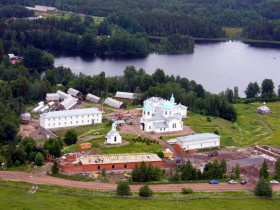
<point x="215" y="65"/>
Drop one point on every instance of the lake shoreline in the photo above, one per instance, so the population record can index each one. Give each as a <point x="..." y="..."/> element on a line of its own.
<point x="214" y="64"/>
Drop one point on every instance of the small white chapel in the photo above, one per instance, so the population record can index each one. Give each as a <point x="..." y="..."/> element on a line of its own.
<point x="113" y="136"/>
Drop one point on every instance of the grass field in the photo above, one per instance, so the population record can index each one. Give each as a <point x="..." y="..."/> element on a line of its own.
<point x="67" y="14"/>
<point x="129" y="147"/>
<point x="97" y="129"/>
<point x="13" y="198"/>
<point x="249" y="129"/>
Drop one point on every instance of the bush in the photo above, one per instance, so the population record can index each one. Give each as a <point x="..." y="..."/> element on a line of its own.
<point x="175" y="177"/>
<point x="70" y="137"/>
<point x="39" y="159"/>
<point x="32" y="156"/>
<point x="186" y="191"/>
<point x="123" y="189"/>
<point x="17" y="163"/>
<point x="263" y="188"/>
<point x="160" y="154"/>
<point x="145" y="191"/>
<point x="55" y="167"/>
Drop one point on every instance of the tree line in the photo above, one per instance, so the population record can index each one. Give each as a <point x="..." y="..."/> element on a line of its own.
<point x="188" y="172"/>
<point x="27" y="151"/>
<point x="266" y="91"/>
<point x="263" y="30"/>
<point x="160" y="23"/>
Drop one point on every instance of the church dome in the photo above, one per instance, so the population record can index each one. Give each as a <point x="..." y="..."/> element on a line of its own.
<point x="172" y="99"/>
<point x="147" y="108"/>
<point x="167" y="105"/>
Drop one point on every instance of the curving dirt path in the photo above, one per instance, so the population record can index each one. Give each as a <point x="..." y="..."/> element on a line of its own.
<point x="47" y="180"/>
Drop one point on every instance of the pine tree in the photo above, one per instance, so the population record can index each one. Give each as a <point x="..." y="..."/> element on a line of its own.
<point x="55" y="167"/>
<point x="1" y="51"/>
<point x="277" y="169"/>
<point x="143" y="172"/>
<point x="223" y="167"/>
<point x="135" y="174"/>
<point x="237" y="171"/>
<point x="263" y="188"/>
<point x="264" y="171"/>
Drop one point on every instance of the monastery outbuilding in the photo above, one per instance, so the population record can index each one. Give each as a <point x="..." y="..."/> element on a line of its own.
<point x="68" y="118"/>
<point x="111" y="162"/>
<point x="114" y="103"/>
<point x="263" y="109"/>
<point x="197" y="141"/>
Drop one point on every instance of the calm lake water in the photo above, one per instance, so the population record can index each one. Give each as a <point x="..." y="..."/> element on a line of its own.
<point x="216" y="66"/>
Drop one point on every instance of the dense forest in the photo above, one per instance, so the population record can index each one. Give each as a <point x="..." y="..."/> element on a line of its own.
<point x="264" y="30"/>
<point x="220" y="12"/>
<point x="195" y="18"/>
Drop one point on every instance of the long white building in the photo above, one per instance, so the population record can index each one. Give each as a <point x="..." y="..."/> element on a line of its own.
<point x="162" y="116"/>
<point x="198" y="141"/>
<point x="67" y="118"/>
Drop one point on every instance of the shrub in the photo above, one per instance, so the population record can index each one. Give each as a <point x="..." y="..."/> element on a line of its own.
<point x="70" y="137"/>
<point x="186" y="191"/>
<point x="145" y="191"/>
<point x="32" y="156"/>
<point x="39" y="159"/>
<point x="123" y="189"/>
<point x="160" y="154"/>
<point x="17" y="163"/>
<point x="263" y="188"/>
<point x="208" y="119"/>
<point x="55" y="167"/>
<point x="175" y="177"/>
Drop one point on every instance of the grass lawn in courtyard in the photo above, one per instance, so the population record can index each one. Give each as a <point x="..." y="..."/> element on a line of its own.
<point x="128" y="146"/>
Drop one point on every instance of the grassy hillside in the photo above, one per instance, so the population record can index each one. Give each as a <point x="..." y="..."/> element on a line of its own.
<point x="12" y="198"/>
<point x="250" y="127"/>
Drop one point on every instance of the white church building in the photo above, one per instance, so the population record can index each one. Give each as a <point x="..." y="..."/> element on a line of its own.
<point x="162" y="116"/>
<point x="113" y="136"/>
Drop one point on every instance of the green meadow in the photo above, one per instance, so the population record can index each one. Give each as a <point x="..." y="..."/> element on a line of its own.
<point x="250" y="127"/>
<point x="16" y="198"/>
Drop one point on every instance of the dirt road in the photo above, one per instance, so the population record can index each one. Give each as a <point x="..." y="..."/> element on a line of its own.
<point x="47" y="180"/>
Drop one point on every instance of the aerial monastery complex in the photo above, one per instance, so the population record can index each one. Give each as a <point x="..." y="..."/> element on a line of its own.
<point x="162" y="116"/>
